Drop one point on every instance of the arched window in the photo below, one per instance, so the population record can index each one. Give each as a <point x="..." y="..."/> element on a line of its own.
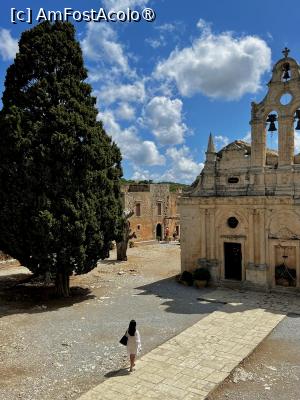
<point x="138" y="209"/>
<point x="159" y="209"/>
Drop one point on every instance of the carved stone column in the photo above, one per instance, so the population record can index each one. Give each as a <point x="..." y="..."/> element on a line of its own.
<point x="286" y="140"/>
<point x="262" y="238"/>
<point x="203" y="234"/>
<point x="258" y="143"/>
<point x="251" y="238"/>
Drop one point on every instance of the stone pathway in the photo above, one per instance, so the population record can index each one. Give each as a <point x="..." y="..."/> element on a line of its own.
<point x="195" y="362"/>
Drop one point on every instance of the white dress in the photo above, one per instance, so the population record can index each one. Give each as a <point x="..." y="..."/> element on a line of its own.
<point x="134" y="343"/>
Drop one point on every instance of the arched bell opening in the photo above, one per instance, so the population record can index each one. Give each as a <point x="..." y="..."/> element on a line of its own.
<point x="272" y="139"/>
<point x="272" y="130"/>
<point x="286" y="72"/>
<point x="297" y="136"/>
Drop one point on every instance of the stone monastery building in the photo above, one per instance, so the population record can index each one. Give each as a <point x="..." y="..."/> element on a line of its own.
<point x="155" y="210"/>
<point x="241" y="217"/>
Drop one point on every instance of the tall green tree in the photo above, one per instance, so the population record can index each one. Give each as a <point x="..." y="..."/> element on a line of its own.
<point x="60" y="200"/>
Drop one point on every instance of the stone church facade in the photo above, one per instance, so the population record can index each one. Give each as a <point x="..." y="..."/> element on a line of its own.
<point x="241" y="217"/>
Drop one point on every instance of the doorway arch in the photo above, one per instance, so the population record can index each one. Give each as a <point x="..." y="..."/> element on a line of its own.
<point x="159" y="232"/>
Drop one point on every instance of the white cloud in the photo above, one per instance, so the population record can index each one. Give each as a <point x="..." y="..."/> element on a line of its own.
<point x="221" y="141"/>
<point x="134" y="92"/>
<point x="141" y="174"/>
<point x="247" y="137"/>
<point x="125" y="112"/>
<point x="101" y="44"/>
<point x="167" y="27"/>
<point x="8" y="45"/>
<point x="156" y="43"/>
<point x="146" y="153"/>
<point x="217" y="65"/>
<point x="124" y="4"/>
<point x="163" y="117"/>
<point x="166" y="33"/>
<point x="132" y="147"/>
<point x="183" y="168"/>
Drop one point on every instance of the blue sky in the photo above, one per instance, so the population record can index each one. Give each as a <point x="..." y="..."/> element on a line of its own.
<point x="162" y="87"/>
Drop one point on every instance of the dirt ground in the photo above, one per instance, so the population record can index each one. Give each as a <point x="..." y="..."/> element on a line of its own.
<point x="59" y="349"/>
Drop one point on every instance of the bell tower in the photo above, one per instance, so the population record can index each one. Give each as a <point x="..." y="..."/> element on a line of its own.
<point x="276" y="114"/>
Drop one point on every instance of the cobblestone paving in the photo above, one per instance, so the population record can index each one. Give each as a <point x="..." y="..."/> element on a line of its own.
<point x="195" y="362"/>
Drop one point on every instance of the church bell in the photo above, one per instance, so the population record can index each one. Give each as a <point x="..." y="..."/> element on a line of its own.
<point x="271" y="119"/>
<point x="286" y="74"/>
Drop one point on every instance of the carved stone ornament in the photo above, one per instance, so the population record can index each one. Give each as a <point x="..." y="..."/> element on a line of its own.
<point x="284" y="233"/>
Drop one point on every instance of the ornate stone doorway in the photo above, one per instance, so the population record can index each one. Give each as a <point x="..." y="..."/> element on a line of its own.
<point x="233" y="261"/>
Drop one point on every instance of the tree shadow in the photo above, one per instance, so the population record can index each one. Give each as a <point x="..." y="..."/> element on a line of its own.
<point x="110" y="262"/>
<point x="35" y="297"/>
<point x="181" y="299"/>
<point x="118" y="372"/>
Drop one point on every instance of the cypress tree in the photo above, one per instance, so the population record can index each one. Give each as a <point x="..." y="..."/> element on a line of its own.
<point x="60" y="200"/>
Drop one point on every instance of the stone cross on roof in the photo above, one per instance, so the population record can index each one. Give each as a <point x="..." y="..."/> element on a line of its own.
<point x="285" y="52"/>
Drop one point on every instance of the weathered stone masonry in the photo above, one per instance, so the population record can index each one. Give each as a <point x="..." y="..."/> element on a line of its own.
<point x="155" y="210"/>
<point x="241" y="217"/>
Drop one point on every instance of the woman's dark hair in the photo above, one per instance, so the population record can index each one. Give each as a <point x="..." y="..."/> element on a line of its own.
<point x="132" y="327"/>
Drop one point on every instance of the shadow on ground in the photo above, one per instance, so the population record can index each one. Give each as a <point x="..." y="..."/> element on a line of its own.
<point x="190" y="300"/>
<point x="34" y="298"/>
<point x="118" y="372"/>
<point x="111" y="262"/>
<point x="179" y="299"/>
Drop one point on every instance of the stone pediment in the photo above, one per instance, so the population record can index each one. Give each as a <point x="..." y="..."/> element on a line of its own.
<point x="284" y="233"/>
<point x="236" y="145"/>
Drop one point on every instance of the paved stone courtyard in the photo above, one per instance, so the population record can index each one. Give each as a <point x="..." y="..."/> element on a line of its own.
<point x="192" y="364"/>
<point x="271" y="372"/>
<point x="192" y="339"/>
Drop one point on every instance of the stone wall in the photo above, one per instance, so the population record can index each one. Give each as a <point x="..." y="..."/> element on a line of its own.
<point x="266" y="226"/>
<point x="254" y="186"/>
<point x="148" y="197"/>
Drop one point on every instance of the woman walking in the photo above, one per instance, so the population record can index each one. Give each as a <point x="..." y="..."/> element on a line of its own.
<point x="133" y="344"/>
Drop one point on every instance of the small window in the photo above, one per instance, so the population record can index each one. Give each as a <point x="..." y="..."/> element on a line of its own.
<point x="139" y="227"/>
<point x="233" y="179"/>
<point x="285" y="99"/>
<point x="232" y="222"/>
<point x="138" y="209"/>
<point x="158" y="208"/>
